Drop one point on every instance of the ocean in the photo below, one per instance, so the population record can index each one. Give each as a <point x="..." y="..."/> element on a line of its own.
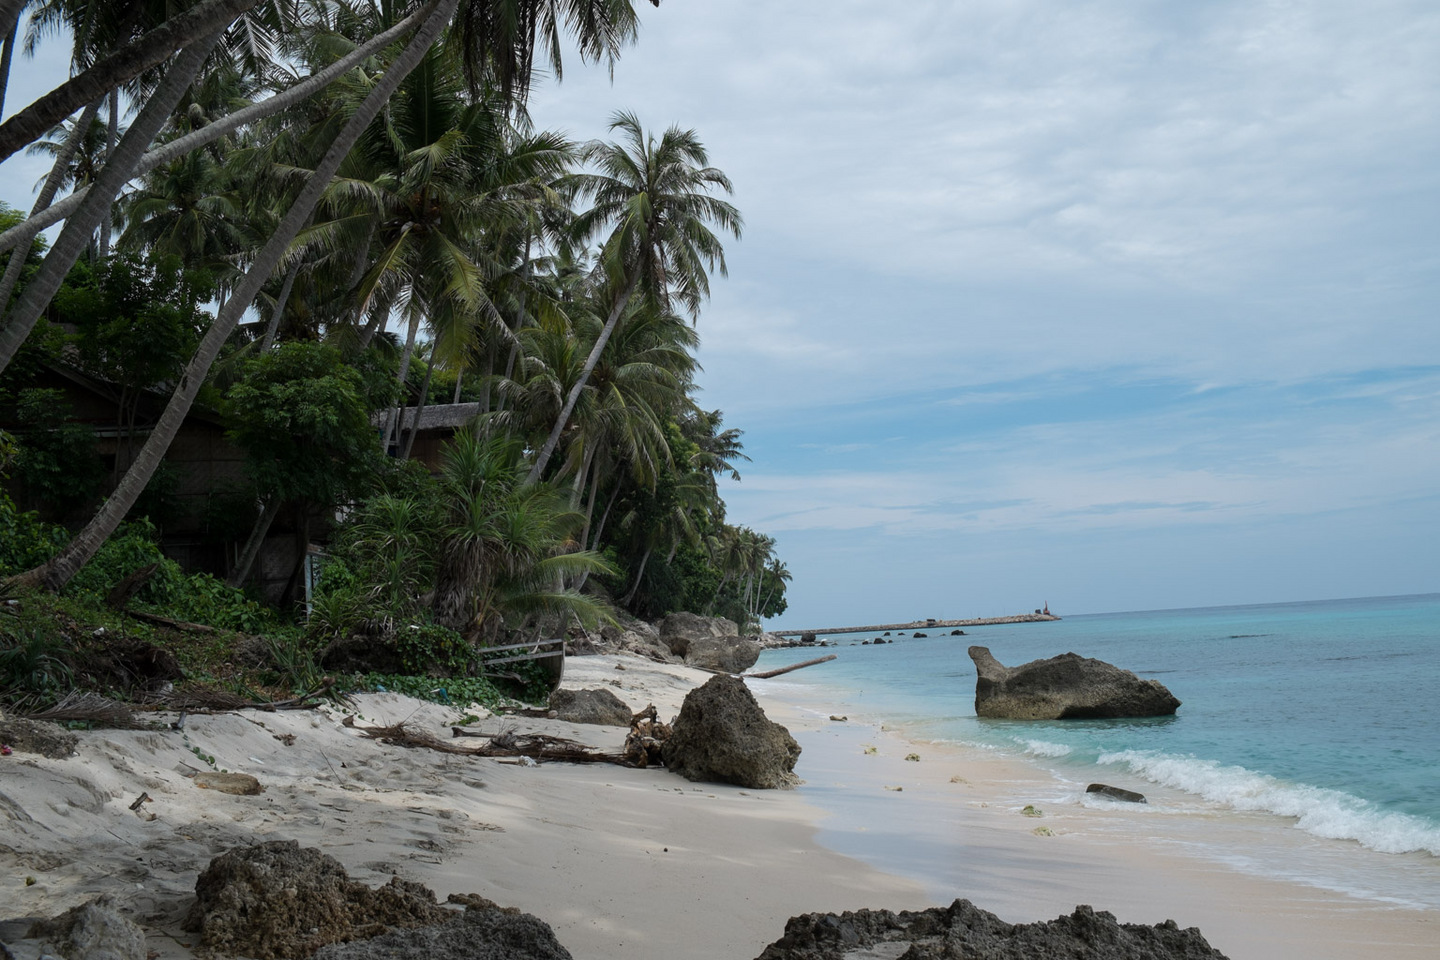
<point x="1314" y="717"/>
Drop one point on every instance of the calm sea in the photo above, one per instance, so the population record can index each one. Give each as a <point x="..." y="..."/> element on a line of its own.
<point x="1322" y="715"/>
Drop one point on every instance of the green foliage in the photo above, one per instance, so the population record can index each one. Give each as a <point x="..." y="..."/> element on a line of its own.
<point x="294" y="659"/>
<point x="461" y="691"/>
<point x="57" y="462"/>
<point x="198" y="597"/>
<point x="428" y="649"/>
<point x="135" y="326"/>
<point x="33" y="662"/>
<point x="303" y="417"/>
<point x="26" y="541"/>
<point x="10" y="217"/>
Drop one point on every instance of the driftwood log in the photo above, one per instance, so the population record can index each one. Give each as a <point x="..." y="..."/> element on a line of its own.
<point x="794" y="666"/>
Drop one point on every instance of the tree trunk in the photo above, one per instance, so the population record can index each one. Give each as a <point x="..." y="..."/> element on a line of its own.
<point x="214" y="131"/>
<point x="392" y="421"/>
<point x="112" y="133"/>
<point x="459" y="381"/>
<point x="59" y="571"/>
<point x="256" y="540"/>
<point x="47" y="193"/>
<point x="180" y="32"/>
<point x="419" y="406"/>
<point x="79" y="229"/>
<point x="6" y="58"/>
<point x="268" y="340"/>
<point x="639" y="575"/>
<point x="543" y="458"/>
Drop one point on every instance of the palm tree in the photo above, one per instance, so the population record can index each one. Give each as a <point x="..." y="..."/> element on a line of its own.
<point x="656" y="196"/>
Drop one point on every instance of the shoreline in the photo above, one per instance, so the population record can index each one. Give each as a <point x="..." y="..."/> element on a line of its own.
<point x="627" y="863"/>
<point x="969" y="839"/>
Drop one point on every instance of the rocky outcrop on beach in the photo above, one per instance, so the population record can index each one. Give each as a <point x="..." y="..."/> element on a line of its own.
<point x="281" y="900"/>
<point x="1067" y="687"/>
<point x="726" y="654"/>
<point x="92" y="931"/>
<point x="679" y="630"/>
<point x="962" y="931"/>
<point x="599" y="707"/>
<point x="481" y="933"/>
<point x="721" y="735"/>
<point x="36" y="736"/>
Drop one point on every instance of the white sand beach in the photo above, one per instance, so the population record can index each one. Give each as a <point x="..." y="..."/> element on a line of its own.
<point x="621" y="862"/>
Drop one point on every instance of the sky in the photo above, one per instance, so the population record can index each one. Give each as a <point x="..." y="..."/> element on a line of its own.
<point x="1107" y="305"/>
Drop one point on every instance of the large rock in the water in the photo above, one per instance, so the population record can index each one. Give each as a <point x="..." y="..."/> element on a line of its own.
<point x="1067" y="687"/>
<point x="679" y="629"/>
<point x="590" y="706"/>
<point x="728" y="654"/>
<point x="484" y="933"/>
<point x="278" y="899"/>
<point x="722" y="735"/>
<point x="962" y="931"/>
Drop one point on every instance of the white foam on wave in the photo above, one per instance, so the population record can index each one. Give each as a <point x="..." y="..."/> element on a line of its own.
<point x="1317" y="810"/>
<point x="1044" y="748"/>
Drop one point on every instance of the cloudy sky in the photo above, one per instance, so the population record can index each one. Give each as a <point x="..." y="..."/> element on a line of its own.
<point x="1115" y="305"/>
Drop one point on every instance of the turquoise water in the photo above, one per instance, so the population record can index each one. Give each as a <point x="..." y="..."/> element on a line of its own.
<point x="1322" y="714"/>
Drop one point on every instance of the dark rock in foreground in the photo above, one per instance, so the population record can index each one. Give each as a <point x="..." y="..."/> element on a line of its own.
<point x="962" y="931"/>
<point x="722" y="735"/>
<point x="278" y="899"/>
<point x="1067" y="687"/>
<point x="590" y="706"/>
<point x="483" y="933"/>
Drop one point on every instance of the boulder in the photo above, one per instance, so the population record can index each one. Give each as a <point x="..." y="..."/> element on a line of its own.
<point x="679" y="629"/>
<point x="481" y="933"/>
<point x="1067" y="687"/>
<point x="722" y="735"/>
<point x="278" y="899"/>
<point x="590" y="706"/>
<point x="93" y="931"/>
<point x="729" y="654"/>
<point x="37" y="736"/>
<point x="236" y="784"/>
<point x="646" y="645"/>
<point x="964" y="930"/>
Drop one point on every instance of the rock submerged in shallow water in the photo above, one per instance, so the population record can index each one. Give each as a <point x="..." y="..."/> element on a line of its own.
<point x="963" y="930"/>
<point x="1116" y="793"/>
<point x="1067" y="687"/>
<point x="721" y="735"/>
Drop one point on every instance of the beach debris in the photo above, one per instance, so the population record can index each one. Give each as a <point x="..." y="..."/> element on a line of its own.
<point x="139" y="800"/>
<point x="280" y="900"/>
<point x="963" y="929"/>
<point x="1043" y="832"/>
<point x="23" y="735"/>
<point x="896" y="789"/>
<point x="85" y="707"/>
<point x="766" y="675"/>
<point x="1067" y="687"/>
<point x="235" y="784"/>
<point x="1116" y="793"/>
<point x="480" y="933"/>
<point x="599" y="707"/>
<point x="871" y="750"/>
<point x="1032" y="811"/>
<point x="646" y="738"/>
<point x="5" y="750"/>
<point x="838" y="718"/>
<point x="915" y="757"/>
<point x="959" y="779"/>
<point x="722" y="735"/>
<point x="92" y="931"/>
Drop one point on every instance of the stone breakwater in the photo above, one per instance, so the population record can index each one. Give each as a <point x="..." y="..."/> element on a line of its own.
<point x="923" y="625"/>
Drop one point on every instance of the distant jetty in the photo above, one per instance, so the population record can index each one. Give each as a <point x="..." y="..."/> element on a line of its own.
<point x="923" y="625"/>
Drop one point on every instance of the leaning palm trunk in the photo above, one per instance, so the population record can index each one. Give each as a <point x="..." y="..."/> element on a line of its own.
<point x="118" y="170"/>
<point x="213" y="131"/>
<point x="180" y="32"/>
<point x="573" y="397"/>
<point x="47" y="193"/>
<point x="281" y="300"/>
<point x="253" y="543"/>
<point x="392" y="420"/>
<point x="78" y="552"/>
<point x="112" y="133"/>
<point x="5" y="60"/>
<point x="419" y="408"/>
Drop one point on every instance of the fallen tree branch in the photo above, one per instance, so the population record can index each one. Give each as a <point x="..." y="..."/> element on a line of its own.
<point x="794" y="666"/>
<point x="184" y="625"/>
